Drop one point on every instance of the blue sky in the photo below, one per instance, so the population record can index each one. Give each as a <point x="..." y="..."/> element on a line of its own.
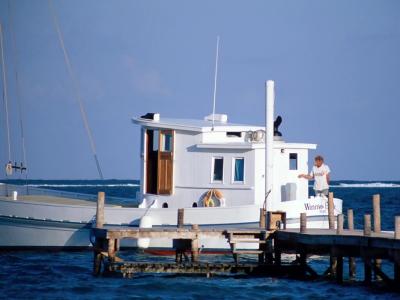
<point x="336" y="65"/>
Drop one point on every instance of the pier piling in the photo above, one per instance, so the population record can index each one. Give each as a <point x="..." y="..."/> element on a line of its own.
<point x="331" y="211"/>
<point x="340" y="220"/>
<point x="100" y="210"/>
<point x="181" y="215"/>
<point x="376" y="204"/>
<point x="303" y="222"/>
<point x="397" y="227"/>
<point x="367" y="225"/>
<point x="98" y="245"/>
<point x="352" y="260"/>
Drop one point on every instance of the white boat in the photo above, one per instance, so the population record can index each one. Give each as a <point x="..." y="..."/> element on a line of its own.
<point x="220" y="173"/>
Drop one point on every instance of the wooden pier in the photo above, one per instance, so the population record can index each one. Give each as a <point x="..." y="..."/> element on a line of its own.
<point x="370" y="244"/>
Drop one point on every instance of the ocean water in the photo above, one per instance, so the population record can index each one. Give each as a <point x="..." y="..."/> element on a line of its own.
<point x="67" y="275"/>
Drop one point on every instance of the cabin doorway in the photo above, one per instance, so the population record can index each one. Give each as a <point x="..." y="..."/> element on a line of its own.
<point x="159" y="161"/>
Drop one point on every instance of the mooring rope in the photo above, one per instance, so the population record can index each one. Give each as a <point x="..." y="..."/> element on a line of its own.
<point x="5" y="94"/>
<point x="76" y="86"/>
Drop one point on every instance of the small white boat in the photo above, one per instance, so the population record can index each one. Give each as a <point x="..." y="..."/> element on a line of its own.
<point x="220" y="173"/>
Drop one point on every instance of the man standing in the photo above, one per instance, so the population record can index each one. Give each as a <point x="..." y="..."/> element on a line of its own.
<point x="320" y="174"/>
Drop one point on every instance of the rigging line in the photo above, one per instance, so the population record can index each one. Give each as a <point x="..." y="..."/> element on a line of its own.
<point x="5" y="95"/>
<point x="76" y="86"/>
<point x="18" y="94"/>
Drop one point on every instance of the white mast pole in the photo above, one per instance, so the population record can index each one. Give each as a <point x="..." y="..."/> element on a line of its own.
<point x="269" y="142"/>
<point x="215" y="83"/>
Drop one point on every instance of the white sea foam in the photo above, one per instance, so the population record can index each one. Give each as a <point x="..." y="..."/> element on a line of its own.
<point x="368" y="185"/>
<point x="85" y="185"/>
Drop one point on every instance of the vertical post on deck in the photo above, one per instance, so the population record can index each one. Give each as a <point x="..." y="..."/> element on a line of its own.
<point x="367" y="225"/>
<point x="376" y="204"/>
<point x="262" y="218"/>
<point x="97" y="257"/>
<point x="111" y="249"/>
<point x="331" y="220"/>
<point x="195" y="244"/>
<point x="352" y="260"/>
<point x="397" y="227"/>
<point x="331" y="211"/>
<point x="181" y="213"/>
<point x="303" y="222"/>
<point x="340" y="220"/>
<point x="367" y="259"/>
<point x="350" y="219"/>
<point x="100" y="210"/>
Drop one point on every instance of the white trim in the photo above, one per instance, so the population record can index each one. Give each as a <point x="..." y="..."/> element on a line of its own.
<point x="250" y="146"/>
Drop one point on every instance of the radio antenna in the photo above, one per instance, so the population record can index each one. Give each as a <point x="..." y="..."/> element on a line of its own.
<point x="215" y="83"/>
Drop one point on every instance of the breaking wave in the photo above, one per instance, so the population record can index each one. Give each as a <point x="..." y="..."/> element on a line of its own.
<point x="86" y="185"/>
<point x="368" y="185"/>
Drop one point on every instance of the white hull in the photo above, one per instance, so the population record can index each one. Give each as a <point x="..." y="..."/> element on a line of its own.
<point x="25" y="224"/>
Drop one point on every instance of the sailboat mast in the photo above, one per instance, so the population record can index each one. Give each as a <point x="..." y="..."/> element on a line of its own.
<point x="5" y="94"/>
<point x="77" y="89"/>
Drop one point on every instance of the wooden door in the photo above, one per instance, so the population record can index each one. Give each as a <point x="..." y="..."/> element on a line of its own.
<point x="165" y="162"/>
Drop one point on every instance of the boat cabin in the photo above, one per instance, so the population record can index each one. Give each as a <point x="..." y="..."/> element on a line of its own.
<point x="185" y="163"/>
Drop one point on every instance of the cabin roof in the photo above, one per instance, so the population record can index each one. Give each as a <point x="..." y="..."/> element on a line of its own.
<point x="194" y="125"/>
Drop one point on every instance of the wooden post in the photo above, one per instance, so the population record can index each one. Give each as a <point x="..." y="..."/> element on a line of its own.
<point x="97" y="257"/>
<point x="352" y="268"/>
<point x="303" y="222"/>
<point x="303" y="262"/>
<point x="367" y="270"/>
<point x="397" y="227"/>
<point x="350" y="219"/>
<point x="277" y="253"/>
<point x="100" y="210"/>
<point x="331" y="211"/>
<point x="367" y="225"/>
<point x="195" y="245"/>
<point x="111" y="249"/>
<point x="376" y="200"/>
<point x="331" y="220"/>
<point x="352" y="260"/>
<point x="340" y="220"/>
<point x="181" y="213"/>
<point x="262" y="218"/>
<point x="339" y="269"/>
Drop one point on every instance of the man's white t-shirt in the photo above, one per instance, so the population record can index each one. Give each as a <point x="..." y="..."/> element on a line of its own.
<point x="319" y="174"/>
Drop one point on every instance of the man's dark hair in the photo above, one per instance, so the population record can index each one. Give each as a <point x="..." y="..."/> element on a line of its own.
<point x="319" y="158"/>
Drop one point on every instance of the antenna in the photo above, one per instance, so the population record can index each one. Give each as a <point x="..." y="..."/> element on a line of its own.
<point x="215" y="83"/>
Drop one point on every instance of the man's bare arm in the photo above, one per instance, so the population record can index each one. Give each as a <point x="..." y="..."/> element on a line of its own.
<point x="306" y="176"/>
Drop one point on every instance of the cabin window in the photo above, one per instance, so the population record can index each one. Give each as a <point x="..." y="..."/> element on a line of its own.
<point x="166" y="142"/>
<point x="218" y="169"/>
<point x="155" y="140"/>
<point x="165" y="205"/>
<point x="233" y="134"/>
<point x="292" y="161"/>
<point x="238" y="170"/>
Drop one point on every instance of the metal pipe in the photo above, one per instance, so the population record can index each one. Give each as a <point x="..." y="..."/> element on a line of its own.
<point x="269" y="140"/>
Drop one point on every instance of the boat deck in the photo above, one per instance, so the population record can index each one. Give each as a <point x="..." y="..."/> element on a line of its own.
<point x="55" y="200"/>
